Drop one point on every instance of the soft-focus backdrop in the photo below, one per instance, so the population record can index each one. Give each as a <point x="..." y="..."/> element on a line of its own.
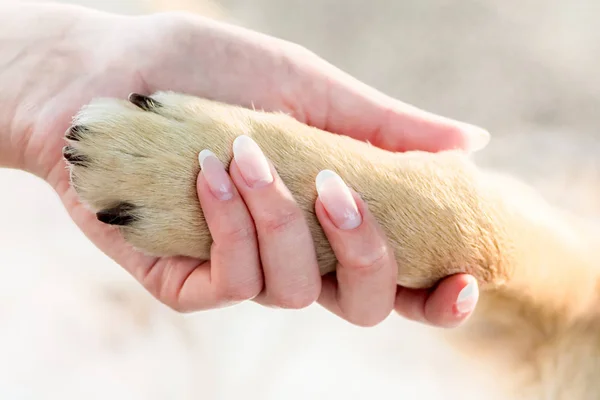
<point x="74" y="326"/>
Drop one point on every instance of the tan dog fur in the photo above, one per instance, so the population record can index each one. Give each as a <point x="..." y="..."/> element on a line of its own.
<point x="537" y="319"/>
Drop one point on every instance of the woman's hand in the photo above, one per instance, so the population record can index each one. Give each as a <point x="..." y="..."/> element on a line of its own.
<point x="263" y="249"/>
<point x="71" y="54"/>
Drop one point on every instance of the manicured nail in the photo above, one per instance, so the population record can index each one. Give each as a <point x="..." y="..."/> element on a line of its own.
<point x="214" y="172"/>
<point x="477" y="138"/>
<point x="467" y="298"/>
<point x="337" y="200"/>
<point x="252" y="162"/>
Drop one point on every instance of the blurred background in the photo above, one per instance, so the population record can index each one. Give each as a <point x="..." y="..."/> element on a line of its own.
<point x="73" y="325"/>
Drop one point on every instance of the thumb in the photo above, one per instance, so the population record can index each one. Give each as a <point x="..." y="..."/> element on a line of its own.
<point x="341" y="104"/>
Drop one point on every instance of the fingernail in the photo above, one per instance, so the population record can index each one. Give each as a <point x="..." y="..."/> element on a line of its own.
<point x="252" y="162"/>
<point x="477" y="138"/>
<point x="214" y="172"/>
<point x="467" y="298"/>
<point x="337" y="200"/>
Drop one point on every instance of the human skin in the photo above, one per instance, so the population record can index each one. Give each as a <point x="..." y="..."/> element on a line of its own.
<point x="69" y="55"/>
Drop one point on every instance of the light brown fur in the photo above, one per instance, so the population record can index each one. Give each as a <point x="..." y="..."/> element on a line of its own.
<point x="537" y="319"/>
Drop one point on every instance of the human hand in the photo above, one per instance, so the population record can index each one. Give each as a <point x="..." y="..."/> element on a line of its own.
<point x="260" y="232"/>
<point x="94" y="54"/>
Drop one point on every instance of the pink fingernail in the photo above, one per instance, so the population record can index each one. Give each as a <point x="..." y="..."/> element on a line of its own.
<point x="214" y="172"/>
<point x="252" y="162"/>
<point x="338" y="200"/>
<point x="467" y="298"/>
<point x="478" y="138"/>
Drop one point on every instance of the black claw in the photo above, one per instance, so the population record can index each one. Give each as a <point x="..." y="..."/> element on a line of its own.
<point x="121" y="214"/>
<point x="75" y="159"/>
<point x="76" y="132"/>
<point x="144" y="102"/>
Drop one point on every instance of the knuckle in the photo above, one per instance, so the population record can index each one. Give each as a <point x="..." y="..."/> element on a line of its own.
<point x="367" y="262"/>
<point x="369" y="317"/>
<point x="366" y="321"/>
<point x="279" y="221"/>
<point x="174" y="305"/>
<point x="158" y="283"/>
<point x="172" y="299"/>
<point x="243" y="291"/>
<point x="295" y="302"/>
<point x="239" y="234"/>
<point x="294" y="299"/>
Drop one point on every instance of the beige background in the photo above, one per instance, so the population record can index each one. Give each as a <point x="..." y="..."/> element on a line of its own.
<point x="73" y="325"/>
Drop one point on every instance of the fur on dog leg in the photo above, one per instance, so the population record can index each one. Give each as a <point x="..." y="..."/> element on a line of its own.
<point x="135" y="164"/>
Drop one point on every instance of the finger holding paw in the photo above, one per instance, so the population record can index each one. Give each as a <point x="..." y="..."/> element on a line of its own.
<point x="364" y="291"/>
<point x="234" y="260"/>
<point x="449" y="304"/>
<point x="287" y="252"/>
<point x="364" y="288"/>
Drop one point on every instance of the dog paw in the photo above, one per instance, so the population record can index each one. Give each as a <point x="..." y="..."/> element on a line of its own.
<point x="135" y="163"/>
